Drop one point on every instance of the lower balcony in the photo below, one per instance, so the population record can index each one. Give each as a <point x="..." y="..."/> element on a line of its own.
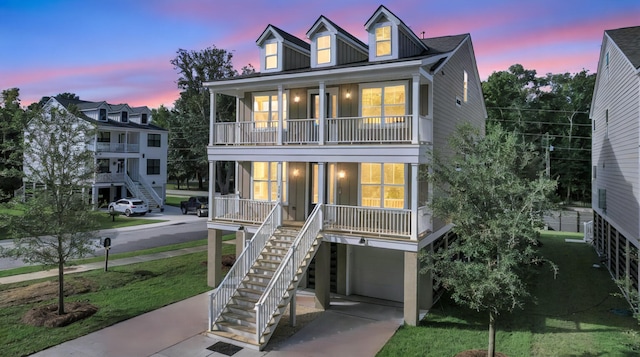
<point x="370" y="221"/>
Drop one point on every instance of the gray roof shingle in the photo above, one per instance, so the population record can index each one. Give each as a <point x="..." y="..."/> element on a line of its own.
<point x="628" y="40"/>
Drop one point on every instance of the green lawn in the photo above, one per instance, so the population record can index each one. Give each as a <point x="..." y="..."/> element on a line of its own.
<point x="121" y="293"/>
<point x="175" y="200"/>
<point x="573" y="315"/>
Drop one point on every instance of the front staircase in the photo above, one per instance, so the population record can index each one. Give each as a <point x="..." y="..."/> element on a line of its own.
<point x="251" y="314"/>
<point x="142" y="190"/>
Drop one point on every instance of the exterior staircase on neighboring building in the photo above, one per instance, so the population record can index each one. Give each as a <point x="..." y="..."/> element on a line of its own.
<point x="255" y="308"/>
<point x="145" y="192"/>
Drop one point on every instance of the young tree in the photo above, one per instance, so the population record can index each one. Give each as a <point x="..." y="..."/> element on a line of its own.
<point x="496" y="214"/>
<point x="12" y="119"/>
<point x="57" y="225"/>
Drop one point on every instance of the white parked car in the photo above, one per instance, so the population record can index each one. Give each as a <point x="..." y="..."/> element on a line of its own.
<point x="129" y="206"/>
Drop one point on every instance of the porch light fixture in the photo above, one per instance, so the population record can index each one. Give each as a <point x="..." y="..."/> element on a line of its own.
<point x="348" y="95"/>
<point x="296" y="99"/>
<point x="362" y="241"/>
<point x="296" y="172"/>
<point x="341" y="174"/>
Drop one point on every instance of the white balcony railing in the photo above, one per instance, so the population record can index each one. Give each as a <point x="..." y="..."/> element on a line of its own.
<point x="368" y="220"/>
<point x="114" y="147"/>
<point x="109" y="177"/>
<point x="234" y="209"/>
<point x="390" y="129"/>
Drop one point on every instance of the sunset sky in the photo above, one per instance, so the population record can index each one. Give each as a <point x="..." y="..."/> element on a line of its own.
<point x="119" y="50"/>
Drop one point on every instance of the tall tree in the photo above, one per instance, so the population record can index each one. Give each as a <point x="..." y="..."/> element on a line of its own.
<point x="57" y="224"/>
<point x="192" y="108"/>
<point x="496" y="214"/>
<point x="12" y="121"/>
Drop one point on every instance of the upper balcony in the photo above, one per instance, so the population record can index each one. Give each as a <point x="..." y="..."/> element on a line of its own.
<point x="345" y="130"/>
<point x="114" y="147"/>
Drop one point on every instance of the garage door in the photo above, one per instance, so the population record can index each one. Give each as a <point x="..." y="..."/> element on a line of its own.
<point x="377" y="273"/>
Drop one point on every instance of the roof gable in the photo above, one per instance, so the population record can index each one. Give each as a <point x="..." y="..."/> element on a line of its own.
<point x="628" y="40"/>
<point x="282" y="36"/>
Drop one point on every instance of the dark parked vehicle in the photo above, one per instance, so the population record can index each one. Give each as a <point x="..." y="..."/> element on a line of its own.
<point x="197" y="204"/>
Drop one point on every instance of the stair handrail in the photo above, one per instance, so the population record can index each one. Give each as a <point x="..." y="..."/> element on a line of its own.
<point x="221" y="295"/>
<point x="286" y="272"/>
<point x="132" y="186"/>
<point x="154" y="195"/>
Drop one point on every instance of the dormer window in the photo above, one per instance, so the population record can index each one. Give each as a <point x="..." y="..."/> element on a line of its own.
<point x="271" y="55"/>
<point x="143" y="118"/>
<point x="383" y="41"/>
<point x="324" y="49"/>
<point x="124" y="117"/>
<point x="103" y="115"/>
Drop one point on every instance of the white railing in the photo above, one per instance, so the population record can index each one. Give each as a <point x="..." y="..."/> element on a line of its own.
<point x="301" y="131"/>
<point x="285" y="274"/>
<point x="588" y="231"/>
<point x="234" y="209"/>
<point x="109" y="177"/>
<point x="368" y="220"/>
<point x="369" y="129"/>
<point x="220" y="297"/>
<point x="114" y="147"/>
<point x="246" y="132"/>
<point x="424" y="220"/>
<point x="390" y="129"/>
<point x="154" y="195"/>
<point x="131" y="186"/>
<point x="425" y="133"/>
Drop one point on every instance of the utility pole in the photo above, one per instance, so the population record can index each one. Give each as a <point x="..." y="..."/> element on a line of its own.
<point x="547" y="149"/>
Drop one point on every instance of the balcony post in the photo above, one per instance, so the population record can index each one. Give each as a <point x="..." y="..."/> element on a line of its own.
<point x="279" y="198"/>
<point x="212" y="189"/>
<point x="414" y="201"/>
<point x="323" y="114"/>
<point x="415" y="110"/>
<point x="212" y="116"/>
<point x="280" y="117"/>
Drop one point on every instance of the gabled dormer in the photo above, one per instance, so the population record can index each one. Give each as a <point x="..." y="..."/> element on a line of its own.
<point x="281" y="51"/>
<point x="140" y="115"/>
<point x="119" y="112"/>
<point x="331" y="45"/>
<point x="390" y="38"/>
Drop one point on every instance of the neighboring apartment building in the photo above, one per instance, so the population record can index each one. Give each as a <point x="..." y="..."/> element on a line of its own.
<point x="330" y="141"/>
<point x="615" y="114"/>
<point x="130" y="152"/>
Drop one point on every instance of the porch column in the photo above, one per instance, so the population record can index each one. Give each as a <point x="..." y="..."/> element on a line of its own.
<point x="279" y="199"/>
<point x="414" y="201"/>
<point x="212" y="116"/>
<point x="323" y="276"/>
<point x="214" y="257"/>
<point x="212" y="189"/>
<point x="280" y="117"/>
<point x="322" y="183"/>
<point x="411" y="288"/>
<point x="415" y="109"/>
<point x="322" y="120"/>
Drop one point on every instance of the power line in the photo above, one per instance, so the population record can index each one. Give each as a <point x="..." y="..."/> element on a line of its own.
<point x="541" y="110"/>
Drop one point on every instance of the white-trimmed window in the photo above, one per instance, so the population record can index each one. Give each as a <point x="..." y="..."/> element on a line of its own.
<point x="383" y="103"/>
<point x="271" y="55"/>
<point x="323" y="54"/>
<point x="265" y="109"/>
<point x="465" y="87"/>
<point x="265" y="181"/>
<point x="383" y="41"/>
<point x="382" y="185"/>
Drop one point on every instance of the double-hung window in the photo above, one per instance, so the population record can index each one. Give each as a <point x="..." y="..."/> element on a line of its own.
<point x="153" y="166"/>
<point x="383" y="41"/>
<point x="153" y="140"/>
<point x="323" y="44"/>
<point x="265" y="181"/>
<point x="265" y="110"/>
<point x="271" y="55"/>
<point x="384" y="103"/>
<point x="382" y="185"/>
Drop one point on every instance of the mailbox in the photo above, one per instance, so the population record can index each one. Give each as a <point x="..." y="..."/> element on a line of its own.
<point x="106" y="242"/>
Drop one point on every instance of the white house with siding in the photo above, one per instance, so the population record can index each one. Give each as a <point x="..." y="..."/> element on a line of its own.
<point x="130" y="151"/>
<point x="615" y="114"/>
<point x="329" y="141"/>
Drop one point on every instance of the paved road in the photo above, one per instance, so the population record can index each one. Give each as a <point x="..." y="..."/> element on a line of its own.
<point x="179" y="228"/>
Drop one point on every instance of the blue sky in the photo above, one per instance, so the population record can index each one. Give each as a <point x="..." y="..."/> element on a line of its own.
<point x="119" y="50"/>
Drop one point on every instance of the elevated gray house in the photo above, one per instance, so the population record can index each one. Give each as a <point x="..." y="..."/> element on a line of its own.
<point x="329" y="141"/>
<point x="615" y="114"/>
<point x="130" y="151"/>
